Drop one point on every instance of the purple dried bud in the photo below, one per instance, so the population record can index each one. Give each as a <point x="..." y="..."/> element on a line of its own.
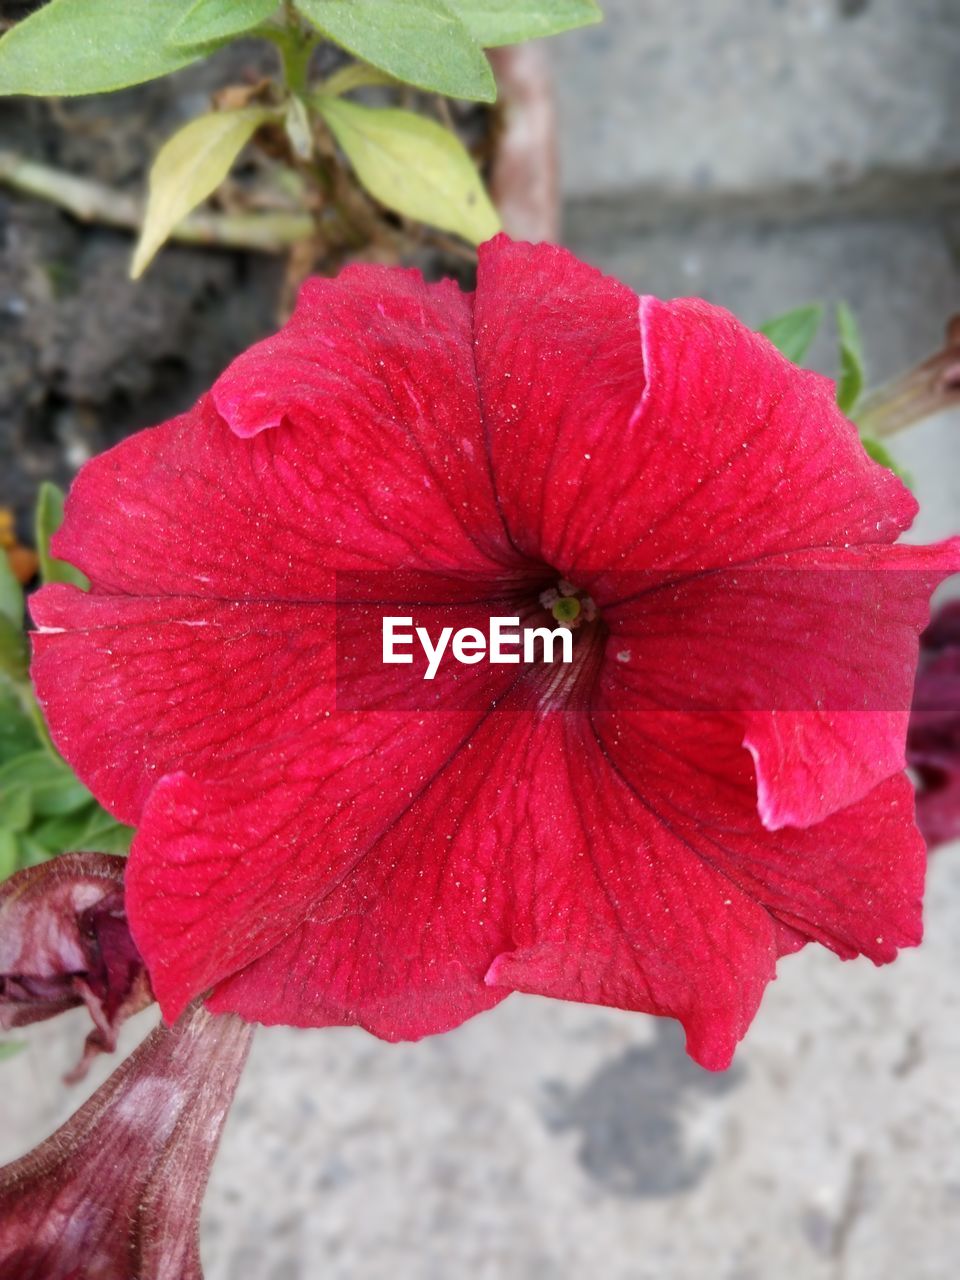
<point x="64" y="941"/>
<point x="933" y="740"/>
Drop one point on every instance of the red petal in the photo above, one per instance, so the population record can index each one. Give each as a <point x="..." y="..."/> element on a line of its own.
<point x="220" y="873"/>
<point x="135" y="688"/>
<point x="853" y="882"/>
<point x="377" y="368"/>
<point x="232" y="545"/>
<point x="810" y="764"/>
<point x="138" y="688"/>
<point x="631" y="433"/>
<point x="824" y="715"/>
<point x="625" y="911"/>
<point x="526" y="853"/>
<point x="530" y="862"/>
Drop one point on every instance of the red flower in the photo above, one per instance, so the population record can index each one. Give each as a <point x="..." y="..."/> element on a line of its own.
<point x="933" y="743"/>
<point x="714" y="780"/>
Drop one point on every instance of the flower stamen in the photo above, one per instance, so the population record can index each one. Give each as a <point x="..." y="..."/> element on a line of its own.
<point x="568" y="605"/>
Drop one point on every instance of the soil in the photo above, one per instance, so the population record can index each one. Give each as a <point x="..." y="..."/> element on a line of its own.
<point x="86" y="356"/>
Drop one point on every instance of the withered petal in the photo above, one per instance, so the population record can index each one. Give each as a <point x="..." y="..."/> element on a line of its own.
<point x="65" y="941"/>
<point x="933" y="740"/>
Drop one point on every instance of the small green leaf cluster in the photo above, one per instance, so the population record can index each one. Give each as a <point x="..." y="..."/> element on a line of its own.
<point x="793" y="334"/>
<point x="412" y="165"/>
<point x="44" y="809"/>
<point x="95" y="46"/>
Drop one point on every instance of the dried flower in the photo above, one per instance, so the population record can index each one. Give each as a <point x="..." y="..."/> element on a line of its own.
<point x="933" y="743"/>
<point x="65" y="941"/>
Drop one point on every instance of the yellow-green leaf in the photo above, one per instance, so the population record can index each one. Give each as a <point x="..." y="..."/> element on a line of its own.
<point x="188" y="168"/>
<point x="299" y="128"/>
<point x="356" y="75"/>
<point x="422" y="42"/>
<point x="414" y="167"/>
<point x="496" y="22"/>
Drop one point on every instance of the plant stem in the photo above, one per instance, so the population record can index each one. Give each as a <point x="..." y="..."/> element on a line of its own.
<point x="92" y="202"/>
<point x="295" y="46"/>
<point x="926" y="389"/>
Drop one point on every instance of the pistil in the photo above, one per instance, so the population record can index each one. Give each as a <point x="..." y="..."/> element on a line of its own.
<point x="569" y="606"/>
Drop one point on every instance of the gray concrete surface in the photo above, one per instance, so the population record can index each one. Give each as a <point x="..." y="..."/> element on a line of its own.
<point x="692" y="100"/>
<point x="761" y="153"/>
<point x="545" y="1140"/>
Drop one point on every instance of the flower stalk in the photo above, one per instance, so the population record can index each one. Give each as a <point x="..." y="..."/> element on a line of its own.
<point x="116" y="1191"/>
<point x="928" y="388"/>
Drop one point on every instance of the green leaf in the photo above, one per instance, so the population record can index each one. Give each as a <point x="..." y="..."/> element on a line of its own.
<point x="421" y="42"/>
<point x="48" y="518"/>
<point x="413" y="166"/>
<point x="219" y="20"/>
<point x="30" y="853"/>
<point x="11" y="593"/>
<point x="90" y="828"/>
<point x="17" y="734"/>
<point x="793" y="332"/>
<point x="880" y="453"/>
<point x="59" y="796"/>
<point x="355" y="75"/>
<point x="852" y="375"/>
<point x="53" y="789"/>
<point x="9" y="853"/>
<point x="14" y="656"/>
<point x="16" y="810"/>
<point x="92" y="46"/>
<point x="35" y="769"/>
<point x="496" y="22"/>
<point x="10" y="1048"/>
<point x="110" y="836"/>
<point x="188" y="168"/>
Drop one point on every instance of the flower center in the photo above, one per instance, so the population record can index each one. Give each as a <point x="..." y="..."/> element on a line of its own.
<point x="569" y="606"/>
<point x="568" y="685"/>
